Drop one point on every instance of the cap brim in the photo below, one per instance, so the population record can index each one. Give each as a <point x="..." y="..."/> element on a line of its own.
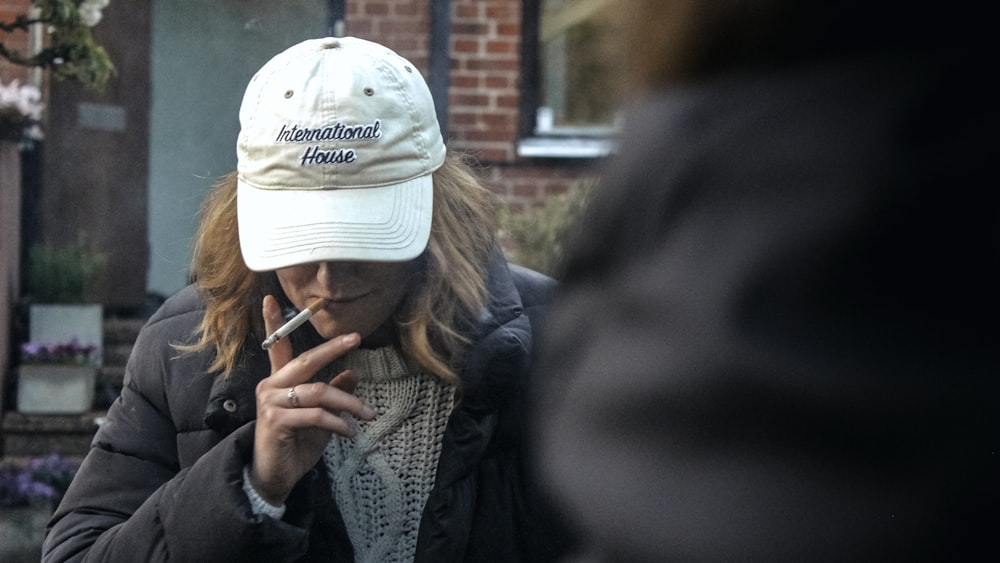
<point x="281" y="228"/>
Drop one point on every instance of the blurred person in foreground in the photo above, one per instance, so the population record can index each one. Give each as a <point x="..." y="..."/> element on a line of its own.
<point x="776" y="338"/>
<point x="387" y="428"/>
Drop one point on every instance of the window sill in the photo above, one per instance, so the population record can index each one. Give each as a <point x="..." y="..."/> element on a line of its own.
<point x="564" y="147"/>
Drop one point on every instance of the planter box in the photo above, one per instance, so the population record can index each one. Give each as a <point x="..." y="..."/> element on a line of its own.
<point x="55" y="389"/>
<point x="64" y="322"/>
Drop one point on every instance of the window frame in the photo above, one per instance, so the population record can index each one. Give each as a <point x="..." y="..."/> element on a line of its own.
<point x="557" y="142"/>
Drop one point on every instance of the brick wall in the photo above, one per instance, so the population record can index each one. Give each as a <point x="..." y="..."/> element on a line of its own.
<point x="401" y="25"/>
<point x="16" y="41"/>
<point x="484" y="92"/>
<point x="484" y="95"/>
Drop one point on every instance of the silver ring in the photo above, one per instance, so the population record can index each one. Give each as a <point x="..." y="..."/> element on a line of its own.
<point x="292" y="397"/>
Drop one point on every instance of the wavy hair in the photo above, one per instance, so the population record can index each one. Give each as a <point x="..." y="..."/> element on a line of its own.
<point x="434" y="319"/>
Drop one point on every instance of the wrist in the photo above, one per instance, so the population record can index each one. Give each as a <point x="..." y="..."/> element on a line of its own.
<point x="267" y="493"/>
<point x="259" y="502"/>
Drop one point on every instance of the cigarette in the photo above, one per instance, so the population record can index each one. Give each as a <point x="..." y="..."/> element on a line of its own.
<point x="296" y="322"/>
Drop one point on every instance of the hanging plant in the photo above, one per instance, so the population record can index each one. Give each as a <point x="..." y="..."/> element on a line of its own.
<point x="20" y="112"/>
<point x="69" y="49"/>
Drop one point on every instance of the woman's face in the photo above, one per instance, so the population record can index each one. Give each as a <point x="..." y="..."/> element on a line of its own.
<point x="362" y="295"/>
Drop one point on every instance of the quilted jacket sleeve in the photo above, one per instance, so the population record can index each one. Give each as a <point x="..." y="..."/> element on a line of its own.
<point x="133" y="501"/>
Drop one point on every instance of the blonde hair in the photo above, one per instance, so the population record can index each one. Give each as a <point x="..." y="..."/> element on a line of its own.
<point x="434" y="320"/>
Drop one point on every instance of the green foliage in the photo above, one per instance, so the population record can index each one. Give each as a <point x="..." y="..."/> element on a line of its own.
<point x="536" y="237"/>
<point x="70" y="51"/>
<point x="64" y="274"/>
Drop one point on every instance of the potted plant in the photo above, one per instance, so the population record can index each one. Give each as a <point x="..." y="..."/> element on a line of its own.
<point x="40" y="481"/>
<point x="68" y="47"/>
<point x="61" y="285"/>
<point x="56" y="378"/>
<point x="28" y="494"/>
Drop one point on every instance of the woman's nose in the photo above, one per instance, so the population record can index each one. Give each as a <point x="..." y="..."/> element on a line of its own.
<point x="336" y="273"/>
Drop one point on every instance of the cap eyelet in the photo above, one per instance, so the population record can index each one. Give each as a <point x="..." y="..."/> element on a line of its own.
<point x="229" y="405"/>
<point x="408" y="69"/>
<point x="369" y="91"/>
<point x="289" y="93"/>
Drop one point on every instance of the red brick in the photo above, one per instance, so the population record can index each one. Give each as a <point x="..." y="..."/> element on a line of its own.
<point x="471" y="28"/>
<point x="376" y="9"/>
<point x="502" y="11"/>
<point x="466" y="81"/>
<point x="404" y="26"/>
<point x="509" y="30"/>
<point x="478" y="100"/>
<point x="508" y="64"/>
<point x="502" y="47"/>
<point x="358" y="28"/>
<point x="499" y="121"/>
<point x="500" y="82"/>
<point x="468" y="10"/>
<point x="405" y="9"/>
<point x="491" y="134"/>
<point x="508" y="101"/>
<point x="461" y="118"/>
<point x="465" y="46"/>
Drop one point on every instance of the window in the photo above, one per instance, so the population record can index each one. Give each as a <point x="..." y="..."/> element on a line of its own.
<point x="568" y="105"/>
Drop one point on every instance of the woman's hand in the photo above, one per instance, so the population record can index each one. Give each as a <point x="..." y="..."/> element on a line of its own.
<point x="294" y="428"/>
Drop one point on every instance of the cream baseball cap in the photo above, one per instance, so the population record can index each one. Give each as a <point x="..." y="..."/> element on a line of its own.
<point x="338" y="141"/>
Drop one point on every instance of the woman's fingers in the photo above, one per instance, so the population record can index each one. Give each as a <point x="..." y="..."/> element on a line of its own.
<point x="323" y="396"/>
<point x="303" y="367"/>
<point x="281" y="351"/>
<point x="315" y="418"/>
<point x="295" y="417"/>
<point x="287" y="370"/>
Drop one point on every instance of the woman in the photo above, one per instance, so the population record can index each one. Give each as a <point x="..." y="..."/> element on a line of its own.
<point x="384" y="429"/>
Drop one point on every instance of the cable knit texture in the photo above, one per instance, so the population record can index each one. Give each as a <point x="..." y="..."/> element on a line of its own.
<point x="381" y="477"/>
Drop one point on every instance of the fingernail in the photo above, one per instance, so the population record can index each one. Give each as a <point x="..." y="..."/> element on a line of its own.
<point x="367" y="413"/>
<point x="350" y="339"/>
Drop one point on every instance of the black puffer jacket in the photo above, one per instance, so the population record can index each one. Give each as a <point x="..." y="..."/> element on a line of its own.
<point x="163" y="478"/>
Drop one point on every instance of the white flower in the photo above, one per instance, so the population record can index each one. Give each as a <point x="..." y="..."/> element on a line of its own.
<point x="27" y="99"/>
<point x="30" y="102"/>
<point x="34" y="132"/>
<point x="90" y="11"/>
<point x="21" y="108"/>
<point x="9" y="94"/>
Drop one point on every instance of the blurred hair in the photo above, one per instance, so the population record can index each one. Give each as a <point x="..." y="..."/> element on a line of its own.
<point x="669" y="41"/>
<point x="433" y="320"/>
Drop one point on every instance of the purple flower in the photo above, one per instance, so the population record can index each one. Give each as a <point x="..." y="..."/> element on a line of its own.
<point x="71" y="353"/>
<point x="39" y="481"/>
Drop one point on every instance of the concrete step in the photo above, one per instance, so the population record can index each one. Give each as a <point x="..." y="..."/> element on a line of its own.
<point x="30" y="435"/>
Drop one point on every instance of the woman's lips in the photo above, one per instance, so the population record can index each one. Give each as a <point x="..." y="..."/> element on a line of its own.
<point x="341" y="299"/>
